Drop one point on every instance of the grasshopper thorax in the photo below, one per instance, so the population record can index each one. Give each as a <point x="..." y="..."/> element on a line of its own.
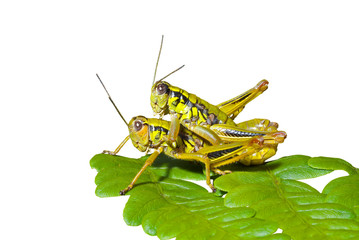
<point x="139" y="134"/>
<point x="159" y="97"/>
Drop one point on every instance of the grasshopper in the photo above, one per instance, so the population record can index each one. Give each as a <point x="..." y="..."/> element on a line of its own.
<point x="148" y="133"/>
<point x="200" y="116"/>
<point x="213" y="123"/>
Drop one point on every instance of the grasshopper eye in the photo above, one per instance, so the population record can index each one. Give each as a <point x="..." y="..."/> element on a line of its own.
<point x="162" y="88"/>
<point x="138" y="125"/>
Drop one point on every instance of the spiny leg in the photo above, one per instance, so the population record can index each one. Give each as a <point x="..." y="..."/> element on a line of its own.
<point x="208" y="174"/>
<point x="148" y="162"/>
<point x="118" y="148"/>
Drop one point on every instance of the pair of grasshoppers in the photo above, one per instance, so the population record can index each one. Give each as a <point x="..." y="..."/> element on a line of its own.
<point x="200" y="131"/>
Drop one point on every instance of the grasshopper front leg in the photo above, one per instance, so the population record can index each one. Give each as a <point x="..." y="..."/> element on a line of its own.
<point x="148" y="162"/>
<point x="118" y="148"/>
<point x="173" y="131"/>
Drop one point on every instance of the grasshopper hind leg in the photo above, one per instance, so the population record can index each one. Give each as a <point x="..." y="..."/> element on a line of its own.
<point x="235" y="105"/>
<point x="214" y="156"/>
<point x="259" y="124"/>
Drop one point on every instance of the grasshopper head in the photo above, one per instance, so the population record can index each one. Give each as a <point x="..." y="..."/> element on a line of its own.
<point x="138" y="128"/>
<point x="159" y="97"/>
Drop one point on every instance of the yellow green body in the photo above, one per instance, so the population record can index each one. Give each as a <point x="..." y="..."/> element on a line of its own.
<point x="156" y="130"/>
<point x="215" y="123"/>
<point x="194" y="110"/>
<point x="148" y="133"/>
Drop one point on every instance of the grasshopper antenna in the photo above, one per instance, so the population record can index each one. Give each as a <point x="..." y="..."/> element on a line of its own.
<point x="171" y="73"/>
<point x="111" y="99"/>
<point x="158" y="59"/>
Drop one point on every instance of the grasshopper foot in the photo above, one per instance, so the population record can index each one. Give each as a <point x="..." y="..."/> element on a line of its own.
<point x="212" y="187"/>
<point x="108" y="152"/>
<point x="124" y="191"/>
<point x="220" y="172"/>
<point x="279" y="136"/>
<point x="262" y="85"/>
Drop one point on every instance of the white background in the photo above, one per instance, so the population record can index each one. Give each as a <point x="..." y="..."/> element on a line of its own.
<point x="55" y="115"/>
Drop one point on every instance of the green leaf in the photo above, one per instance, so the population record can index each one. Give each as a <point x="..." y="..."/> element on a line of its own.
<point x="332" y="164"/>
<point x="259" y="199"/>
<point x="170" y="208"/>
<point x="300" y="210"/>
<point x="101" y="161"/>
<point x="294" y="167"/>
<point x="356" y="210"/>
<point x="115" y="173"/>
<point x="343" y="190"/>
<point x="177" y="206"/>
<point x="166" y="166"/>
